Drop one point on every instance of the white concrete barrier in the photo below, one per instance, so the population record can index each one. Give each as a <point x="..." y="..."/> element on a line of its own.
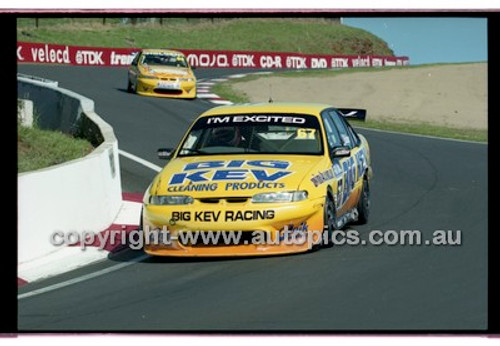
<point x="76" y="196"/>
<point x="25" y="112"/>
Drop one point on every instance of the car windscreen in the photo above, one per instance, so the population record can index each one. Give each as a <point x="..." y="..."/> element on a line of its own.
<point x="172" y="60"/>
<point x="254" y="134"/>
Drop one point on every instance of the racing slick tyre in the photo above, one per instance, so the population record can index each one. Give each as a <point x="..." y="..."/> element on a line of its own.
<point x="129" y="87"/>
<point x="364" y="204"/>
<point x="330" y="220"/>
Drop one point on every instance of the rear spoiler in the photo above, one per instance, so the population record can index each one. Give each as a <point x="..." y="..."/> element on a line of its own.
<point x="352" y="113"/>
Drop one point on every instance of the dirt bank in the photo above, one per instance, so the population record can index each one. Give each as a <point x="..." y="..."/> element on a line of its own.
<point x="449" y="95"/>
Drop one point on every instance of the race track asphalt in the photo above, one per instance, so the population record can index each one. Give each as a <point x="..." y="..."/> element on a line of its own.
<point x="419" y="184"/>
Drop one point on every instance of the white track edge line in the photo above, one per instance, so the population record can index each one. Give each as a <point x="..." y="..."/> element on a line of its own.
<point x="81" y="278"/>
<point x="139" y="160"/>
<point x="104" y="271"/>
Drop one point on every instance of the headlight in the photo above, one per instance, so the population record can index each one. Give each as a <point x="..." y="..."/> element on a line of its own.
<point x="144" y="76"/>
<point x="280" y="197"/>
<point x="170" y="200"/>
<point x="186" y="79"/>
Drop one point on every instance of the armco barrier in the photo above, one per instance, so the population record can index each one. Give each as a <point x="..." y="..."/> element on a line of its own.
<point x="28" y="52"/>
<point x="79" y="195"/>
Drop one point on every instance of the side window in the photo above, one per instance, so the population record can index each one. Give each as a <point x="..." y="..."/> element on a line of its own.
<point x="345" y="138"/>
<point x="352" y="133"/>
<point x="332" y="136"/>
<point x="136" y="59"/>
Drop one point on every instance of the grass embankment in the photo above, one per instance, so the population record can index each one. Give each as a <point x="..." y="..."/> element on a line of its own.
<point x="226" y="90"/>
<point x="37" y="148"/>
<point x="301" y="35"/>
<point x="426" y="129"/>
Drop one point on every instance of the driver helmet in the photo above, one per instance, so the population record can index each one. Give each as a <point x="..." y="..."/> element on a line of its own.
<point x="228" y="136"/>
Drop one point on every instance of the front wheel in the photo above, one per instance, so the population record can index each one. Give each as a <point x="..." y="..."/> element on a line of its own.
<point x="129" y="87"/>
<point x="364" y="204"/>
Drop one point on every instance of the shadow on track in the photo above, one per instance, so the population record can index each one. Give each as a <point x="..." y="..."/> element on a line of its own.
<point x="123" y="90"/>
<point x="127" y="255"/>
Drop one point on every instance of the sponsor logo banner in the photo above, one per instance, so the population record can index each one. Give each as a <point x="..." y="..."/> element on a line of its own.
<point x="73" y="55"/>
<point x="28" y="52"/>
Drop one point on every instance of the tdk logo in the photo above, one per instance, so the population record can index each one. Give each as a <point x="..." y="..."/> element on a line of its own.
<point x="231" y="170"/>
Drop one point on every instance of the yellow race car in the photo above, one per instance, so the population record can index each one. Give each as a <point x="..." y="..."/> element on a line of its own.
<point x="162" y="73"/>
<point x="259" y="179"/>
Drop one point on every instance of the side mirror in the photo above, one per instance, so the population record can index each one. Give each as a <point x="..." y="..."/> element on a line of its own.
<point x="165" y="153"/>
<point x="339" y="152"/>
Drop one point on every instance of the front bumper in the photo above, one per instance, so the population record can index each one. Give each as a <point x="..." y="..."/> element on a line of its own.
<point x="300" y="218"/>
<point x="152" y="87"/>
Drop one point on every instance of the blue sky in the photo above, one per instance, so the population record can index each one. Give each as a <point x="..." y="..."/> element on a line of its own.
<point x="430" y="40"/>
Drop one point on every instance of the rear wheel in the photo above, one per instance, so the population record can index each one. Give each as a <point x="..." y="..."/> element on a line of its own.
<point x="364" y="204"/>
<point x="330" y="219"/>
<point x="129" y="87"/>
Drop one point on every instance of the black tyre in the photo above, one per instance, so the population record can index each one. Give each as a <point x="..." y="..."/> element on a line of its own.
<point x="330" y="220"/>
<point x="364" y="204"/>
<point x="129" y="87"/>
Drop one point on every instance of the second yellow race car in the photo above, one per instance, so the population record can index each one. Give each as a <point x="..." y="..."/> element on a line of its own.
<point x="161" y="73"/>
<point x="259" y="179"/>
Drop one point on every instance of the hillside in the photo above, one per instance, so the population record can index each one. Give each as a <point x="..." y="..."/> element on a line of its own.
<point x="301" y="35"/>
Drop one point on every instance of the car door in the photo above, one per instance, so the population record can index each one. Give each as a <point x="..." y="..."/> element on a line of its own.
<point x="334" y="141"/>
<point x="345" y="169"/>
<point x="360" y="155"/>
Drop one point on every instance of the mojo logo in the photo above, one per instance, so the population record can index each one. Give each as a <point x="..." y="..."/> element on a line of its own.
<point x="232" y="170"/>
<point x="89" y="57"/>
<point x="208" y="60"/>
